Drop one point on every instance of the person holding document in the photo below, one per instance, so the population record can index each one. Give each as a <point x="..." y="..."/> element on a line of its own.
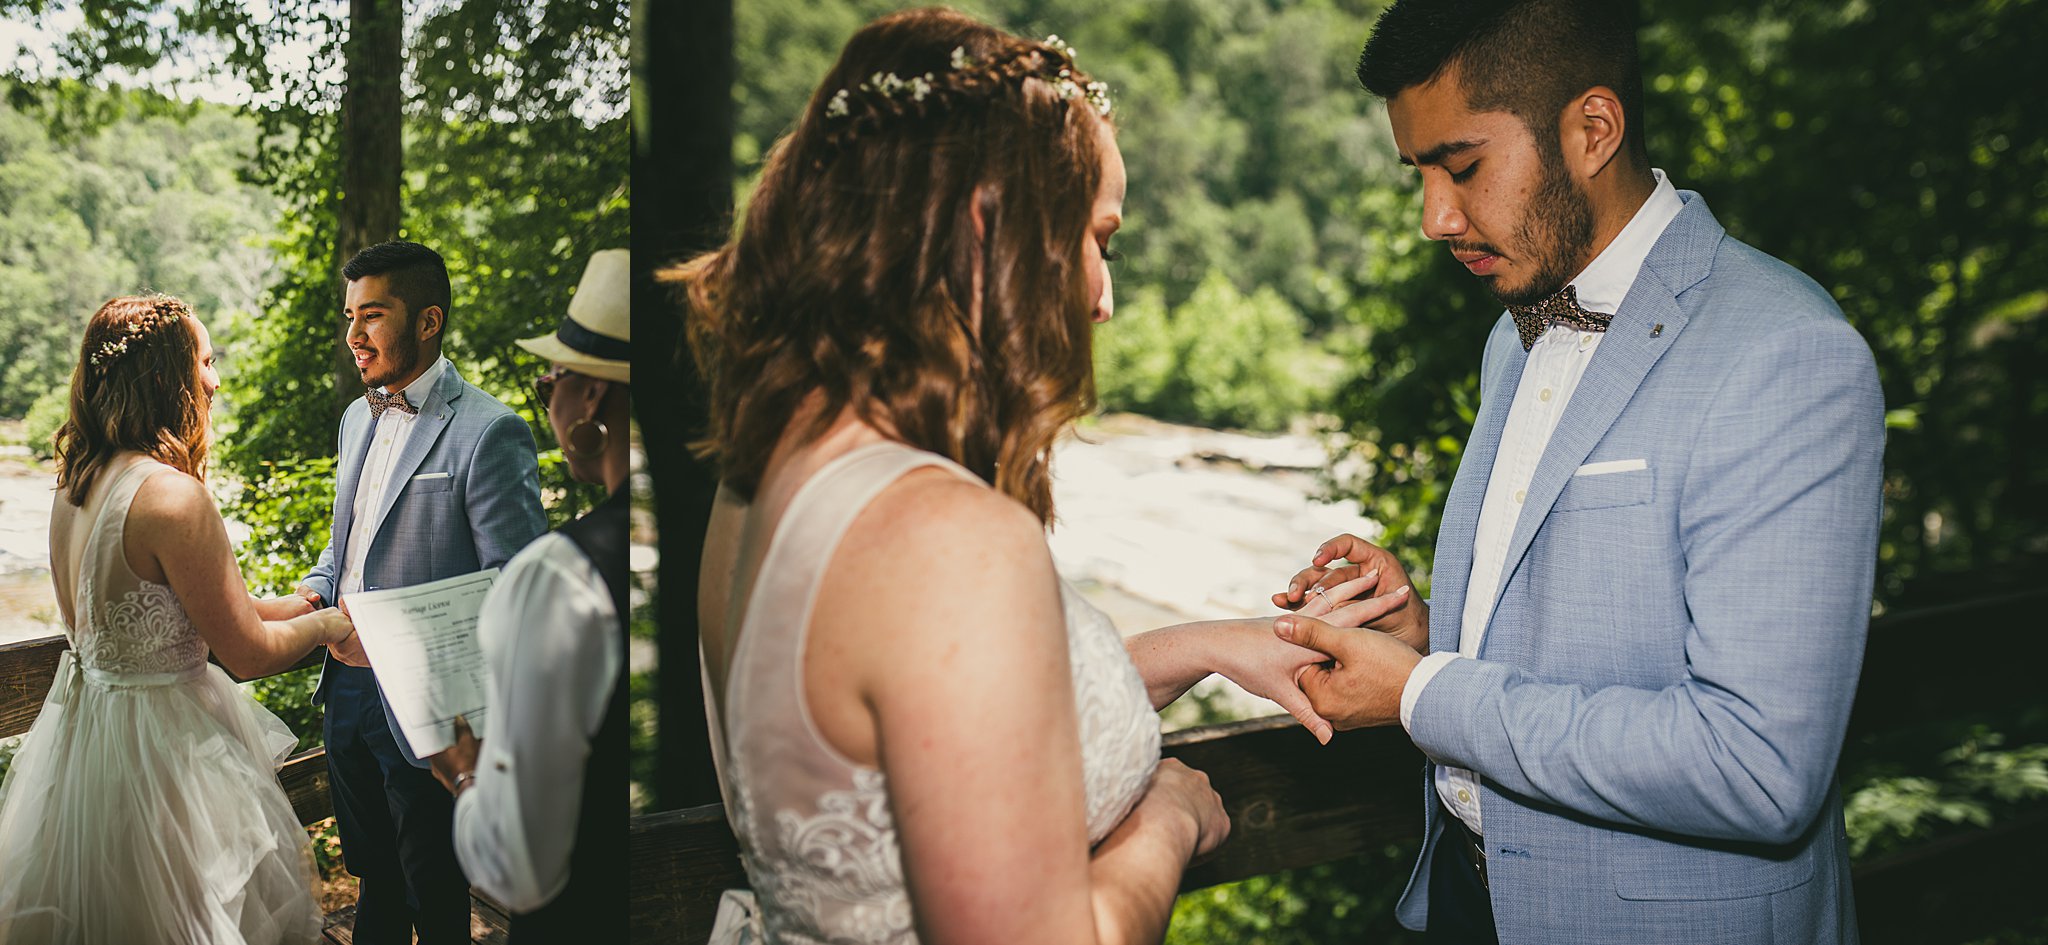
<point x="553" y="633"/>
<point x="437" y="479"/>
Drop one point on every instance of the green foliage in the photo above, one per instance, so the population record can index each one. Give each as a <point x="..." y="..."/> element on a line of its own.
<point x="1220" y="358"/>
<point x="288" y="510"/>
<point x="326" y="836"/>
<point x="146" y="200"/>
<point x="45" y="417"/>
<point x="1974" y="783"/>
<point x="1918" y="208"/>
<point x="1348" y="900"/>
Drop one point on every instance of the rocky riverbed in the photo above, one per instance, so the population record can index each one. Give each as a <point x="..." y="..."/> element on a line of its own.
<point x="28" y="607"/>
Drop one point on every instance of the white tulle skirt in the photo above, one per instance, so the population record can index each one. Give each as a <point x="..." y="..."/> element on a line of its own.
<point x="146" y="809"/>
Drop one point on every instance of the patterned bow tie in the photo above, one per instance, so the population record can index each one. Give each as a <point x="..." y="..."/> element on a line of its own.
<point x="1563" y="308"/>
<point x="380" y="402"/>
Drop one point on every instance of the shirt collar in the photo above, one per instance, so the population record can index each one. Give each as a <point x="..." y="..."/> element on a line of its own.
<point x="417" y="391"/>
<point x="1607" y="279"/>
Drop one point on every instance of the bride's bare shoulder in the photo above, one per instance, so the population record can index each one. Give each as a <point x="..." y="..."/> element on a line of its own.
<point x="934" y="513"/>
<point x="171" y="514"/>
<point x="169" y="494"/>
<point x="937" y="545"/>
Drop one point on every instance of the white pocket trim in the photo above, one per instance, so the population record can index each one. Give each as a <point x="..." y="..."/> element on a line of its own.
<point x="438" y="475"/>
<point x="1612" y="466"/>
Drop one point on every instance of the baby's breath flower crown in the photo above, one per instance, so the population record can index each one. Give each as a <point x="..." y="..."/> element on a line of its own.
<point x="164" y="310"/>
<point x="885" y="96"/>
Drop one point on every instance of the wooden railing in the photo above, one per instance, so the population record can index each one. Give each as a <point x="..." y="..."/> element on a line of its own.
<point x="27" y="670"/>
<point x="1293" y="803"/>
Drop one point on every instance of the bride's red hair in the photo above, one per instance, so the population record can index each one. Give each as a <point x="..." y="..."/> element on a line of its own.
<point x="857" y="264"/>
<point x="136" y="387"/>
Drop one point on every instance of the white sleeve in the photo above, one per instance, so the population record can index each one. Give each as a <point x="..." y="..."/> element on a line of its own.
<point x="548" y="634"/>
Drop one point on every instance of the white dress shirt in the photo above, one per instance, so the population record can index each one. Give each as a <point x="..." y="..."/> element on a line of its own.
<point x="1556" y="362"/>
<point x="549" y="635"/>
<point x="387" y="442"/>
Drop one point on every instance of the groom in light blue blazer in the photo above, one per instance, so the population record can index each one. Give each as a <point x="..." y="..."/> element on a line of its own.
<point x="1652" y="582"/>
<point x="436" y="479"/>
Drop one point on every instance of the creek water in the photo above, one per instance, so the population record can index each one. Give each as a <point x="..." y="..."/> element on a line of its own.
<point x="28" y="605"/>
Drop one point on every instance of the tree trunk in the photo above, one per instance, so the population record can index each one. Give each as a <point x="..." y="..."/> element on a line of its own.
<point x="682" y="199"/>
<point x="372" y="153"/>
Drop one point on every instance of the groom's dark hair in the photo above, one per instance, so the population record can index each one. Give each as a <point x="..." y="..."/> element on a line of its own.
<point x="1528" y="58"/>
<point x="416" y="274"/>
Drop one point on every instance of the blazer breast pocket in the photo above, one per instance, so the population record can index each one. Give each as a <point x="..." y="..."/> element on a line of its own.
<point x="1607" y="485"/>
<point x="430" y="483"/>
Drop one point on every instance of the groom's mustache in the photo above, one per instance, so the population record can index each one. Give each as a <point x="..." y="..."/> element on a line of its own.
<point x="1471" y="249"/>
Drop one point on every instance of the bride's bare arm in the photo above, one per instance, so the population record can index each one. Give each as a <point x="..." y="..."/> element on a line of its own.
<point x="939" y="648"/>
<point x="175" y="536"/>
<point x="1172" y="659"/>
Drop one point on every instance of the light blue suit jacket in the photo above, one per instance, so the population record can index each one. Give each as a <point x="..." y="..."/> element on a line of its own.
<point x="470" y="499"/>
<point x="1659" y="703"/>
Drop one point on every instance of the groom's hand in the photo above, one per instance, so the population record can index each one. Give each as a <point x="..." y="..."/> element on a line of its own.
<point x="350" y="650"/>
<point x="312" y="597"/>
<point x="1323" y="590"/>
<point x="1361" y="685"/>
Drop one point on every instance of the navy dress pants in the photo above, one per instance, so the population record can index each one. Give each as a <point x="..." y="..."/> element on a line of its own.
<point x="397" y="823"/>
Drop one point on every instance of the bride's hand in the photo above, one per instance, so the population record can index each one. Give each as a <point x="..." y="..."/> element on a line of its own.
<point x="1175" y="786"/>
<point x="285" y="607"/>
<point x="1329" y="593"/>
<point x="1267" y="666"/>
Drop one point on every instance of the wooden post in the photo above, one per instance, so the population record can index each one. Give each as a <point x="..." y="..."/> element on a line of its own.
<point x="682" y="197"/>
<point x="372" y="153"/>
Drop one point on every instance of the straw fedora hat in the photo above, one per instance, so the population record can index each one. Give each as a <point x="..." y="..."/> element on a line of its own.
<point x="596" y="339"/>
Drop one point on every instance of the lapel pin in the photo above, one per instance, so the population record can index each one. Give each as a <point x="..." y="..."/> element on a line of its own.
<point x="1658" y="330"/>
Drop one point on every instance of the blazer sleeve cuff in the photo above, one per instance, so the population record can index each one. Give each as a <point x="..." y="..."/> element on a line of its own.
<point x="1444" y="722"/>
<point x="1418" y="678"/>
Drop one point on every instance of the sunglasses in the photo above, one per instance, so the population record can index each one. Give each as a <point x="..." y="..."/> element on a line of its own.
<point x="544" y="385"/>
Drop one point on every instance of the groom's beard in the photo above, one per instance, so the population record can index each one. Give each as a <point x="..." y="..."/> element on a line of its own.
<point x="1556" y="229"/>
<point x="388" y="365"/>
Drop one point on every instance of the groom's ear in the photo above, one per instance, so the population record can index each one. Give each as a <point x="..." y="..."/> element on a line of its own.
<point x="1594" y="127"/>
<point x="430" y="322"/>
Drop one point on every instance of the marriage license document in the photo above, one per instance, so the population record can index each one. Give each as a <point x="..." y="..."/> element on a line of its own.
<point x="422" y="643"/>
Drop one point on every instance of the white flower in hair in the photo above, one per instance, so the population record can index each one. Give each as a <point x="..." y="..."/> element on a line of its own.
<point x="889" y="84"/>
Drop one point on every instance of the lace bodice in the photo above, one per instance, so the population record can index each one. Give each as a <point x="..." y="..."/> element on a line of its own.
<point x="815" y="829"/>
<point x="123" y="624"/>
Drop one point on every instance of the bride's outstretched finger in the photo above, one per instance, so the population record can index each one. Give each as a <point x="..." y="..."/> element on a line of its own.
<point x="1364" y="612"/>
<point x="1310" y="584"/>
<point x="1298" y="587"/>
<point x="1337" y="590"/>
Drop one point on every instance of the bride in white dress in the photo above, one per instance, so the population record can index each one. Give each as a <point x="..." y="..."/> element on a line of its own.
<point x="923" y="734"/>
<point x="143" y="806"/>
